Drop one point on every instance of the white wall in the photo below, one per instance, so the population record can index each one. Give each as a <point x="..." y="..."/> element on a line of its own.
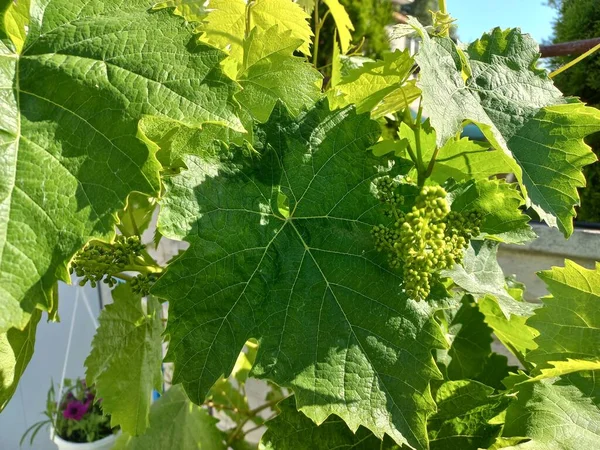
<point x="47" y="363"/>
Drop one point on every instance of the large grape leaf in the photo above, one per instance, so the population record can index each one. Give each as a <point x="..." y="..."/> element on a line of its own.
<point x="229" y="22"/>
<point x="176" y="423"/>
<point x="518" y="109"/>
<point x="569" y="322"/>
<point x="16" y="350"/>
<point x="280" y="250"/>
<point x="71" y="100"/>
<point x="292" y="430"/>
<point x="465" y="409"/>
<point x="125" y="361"/>
<point x="556" y="414"/>
<point x="270" y="72"/>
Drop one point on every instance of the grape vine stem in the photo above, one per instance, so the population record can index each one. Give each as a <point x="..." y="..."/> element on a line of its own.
<point x="419" y="162"/>
<point x="251" y="414"/>
<point x="442" y="6"/>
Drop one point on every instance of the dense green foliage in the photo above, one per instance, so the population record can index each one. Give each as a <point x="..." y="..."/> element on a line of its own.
<point x="580" y="19"/>
<point x="355" y="274"/>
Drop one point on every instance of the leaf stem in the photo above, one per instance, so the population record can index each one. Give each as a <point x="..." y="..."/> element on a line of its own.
<point x="442" y="6"/>
<point x="408" y="119"/>
<point x="429" y="170"/>
<point x="142" y="268"/>
<point x="317" y="31"/>
<point x="252" y="413"/>
<point x="122" y="276"/>
<point x="318" y="26"/>
<point x="257" y="427"/>
<point x="444" y="12"/>
<point x="249" y="5"/>
<point x="420" y="165"/>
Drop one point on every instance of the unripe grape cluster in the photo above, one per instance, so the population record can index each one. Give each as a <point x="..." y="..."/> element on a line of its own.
<point x="142" y="283"/>
<point x="99" y="261"/>
<point x="426" y="240"/>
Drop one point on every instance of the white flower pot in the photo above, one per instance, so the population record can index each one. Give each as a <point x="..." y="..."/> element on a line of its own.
<point x="103" y="444"/>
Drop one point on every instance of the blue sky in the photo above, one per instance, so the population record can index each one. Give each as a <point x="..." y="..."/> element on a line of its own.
<point x="478" y="16"/>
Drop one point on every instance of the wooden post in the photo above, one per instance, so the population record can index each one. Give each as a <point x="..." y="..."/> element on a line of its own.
<point x="574" y="48"/>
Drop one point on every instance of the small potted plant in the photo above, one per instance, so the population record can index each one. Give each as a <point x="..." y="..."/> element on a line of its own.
<point x="77" y="421"/>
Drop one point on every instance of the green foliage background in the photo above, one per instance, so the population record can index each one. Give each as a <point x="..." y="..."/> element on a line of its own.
<point x="580" y="19"/>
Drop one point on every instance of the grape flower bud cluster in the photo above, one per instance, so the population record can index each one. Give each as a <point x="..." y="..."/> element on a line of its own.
<point x="142" y="283"/>
<point x="99" y="261"/>
<point x="426" y="240"/>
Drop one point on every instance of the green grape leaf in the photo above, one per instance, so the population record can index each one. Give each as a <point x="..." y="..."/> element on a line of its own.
<point x="559" y="368"/>
<point x="245" y="361"/>
<point x="500" y="203"/>
<point x="270" y="72"/>
<point x="71" y="101"/>
<point x="343" y="23"/>
<point x="551" y="152"/>
<point x="465" y="409"/>
<point x="397" y="100"/>
<point x="307" y="276"/>
<point x="495" y="370"/>
<point x="125" y="361"/>
<point x="190" y="10"/>
<point x="517" y="108"/>
<point x="471" y="341"/>
<point x="176" y="423"/>
<point x="569" y="321"/>
<point x="385" y="146"/>
<point x="513" y="332"/>
<point x="464" y="160"/>
<point x="14" y="17"/>
<point x="137" y="215"/>
<point x="555" y="414"/>
<point x="480" y="275"/>
<point x="469" y="355"/>
<point x="370" y="84"/>
<point x="172" y="140"/>
<point x="225" y="26"/>
<point x="292" y="430"/>
<point x="16" y="350"/>
<point x="307" y="5"/>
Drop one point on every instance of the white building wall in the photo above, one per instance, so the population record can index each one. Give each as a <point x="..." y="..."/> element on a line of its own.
<point x="47" y="364"/>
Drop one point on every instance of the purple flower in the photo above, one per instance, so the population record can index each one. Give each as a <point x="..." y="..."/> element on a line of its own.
<point x="75" y="410"/>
